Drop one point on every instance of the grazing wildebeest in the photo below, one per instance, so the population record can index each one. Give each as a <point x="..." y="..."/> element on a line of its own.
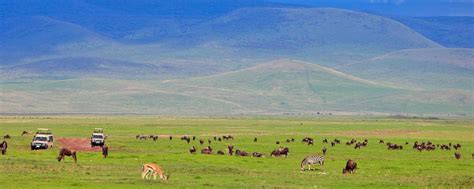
<point x="142" y="137"/>
<point x="292" y="139"/>
<point x="277" y="142"/>
<point x="456" y="146"/>
<point x="194" y="138"/>
<point x="67" y="152"/>
<point x="333" y="144"/>
<point x="256" y="154"/>
<point x="351" y="166"/>
<point x="3" y="147"/>
<point x="310" y="143"/>
<point x="25" y="133"/>
<point x="149" y="169"/>
<point x="324" y="150"/>
<point x="184" y="138"/>
<point x="381" y="141"/>
<point x="220" y="152"/>
<point x="241" y="153"/>
<point x="207" y="150"/>
<point x="255" y="139"/>
<point x="306" y="139"/>
<point x="219" y="139"/>
<point x="201" y="141"/>
<point x="156" y="138"/>
<point x="230" y="149"/>
<point x="325" y="140"/>
<point x="288" y="140"/>
<point x="337" y="141"/>
<point x="209" y="141"/>
<point x="6" y="137"/>
<point x="105" y="151"/>
<point x="171" y="137"/>
<point x="215" y="138"/>
<point x="457" y="155"/>
<point x="312" y="159"/>
<point x="280" y="151"/>
<point x="192" y="150"/>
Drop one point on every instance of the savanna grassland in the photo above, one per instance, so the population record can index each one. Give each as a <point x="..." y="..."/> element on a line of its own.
<point x="377" y="166"/>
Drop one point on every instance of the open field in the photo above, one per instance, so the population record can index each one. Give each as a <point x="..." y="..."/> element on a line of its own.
<point x="377" y="166"/>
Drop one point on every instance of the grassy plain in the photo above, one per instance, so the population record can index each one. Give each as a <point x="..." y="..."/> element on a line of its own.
<point x="378" y="167"/>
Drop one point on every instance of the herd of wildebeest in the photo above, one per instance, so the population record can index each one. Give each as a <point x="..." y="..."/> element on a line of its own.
<point x="151" y="169"/>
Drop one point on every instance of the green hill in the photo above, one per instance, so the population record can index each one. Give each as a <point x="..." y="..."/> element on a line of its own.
<point x="433" y="69"/>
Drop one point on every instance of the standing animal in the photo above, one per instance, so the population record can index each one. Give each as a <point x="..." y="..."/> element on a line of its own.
<point x="192" y="150"/>
<point x="67" y="152"/>
<point x="457" y="155"/>
<point x="209" y="141"/>
<point x="230" y="149"/>
<point x="105" y="151"/>
<point x="171" y="137"/>
<point x="312" y="159"/>
<point x="149" y="169"/>
<point x="325" y="140"/>
<point x="201" y="141"/>
<point x="324" y="150"/>
<point x="351" y="165"/>
<point x="277" y="142"/>
<point x="3" y="147"/>
<point x="6" y="137"/>
<point x="220" y="152"/>
<point x="333" y="144"/>
<point x="194" y="138"/>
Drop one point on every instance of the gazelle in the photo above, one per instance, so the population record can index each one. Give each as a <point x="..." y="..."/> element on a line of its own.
<point x="149" y="169"/>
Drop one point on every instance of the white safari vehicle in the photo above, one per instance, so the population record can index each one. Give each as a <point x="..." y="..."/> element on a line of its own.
<point x="43" y="139"/>
<point x="98" y="137"/>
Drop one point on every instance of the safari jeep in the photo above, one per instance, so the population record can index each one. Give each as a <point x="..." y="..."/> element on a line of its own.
<point x="43" y="139"/>
<point x="98" y="137"/>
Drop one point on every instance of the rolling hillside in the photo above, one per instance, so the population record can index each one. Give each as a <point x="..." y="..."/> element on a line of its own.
<point x="420" y="68"/>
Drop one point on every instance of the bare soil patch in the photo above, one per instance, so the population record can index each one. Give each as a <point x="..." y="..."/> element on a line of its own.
<point x="79" y="144"/>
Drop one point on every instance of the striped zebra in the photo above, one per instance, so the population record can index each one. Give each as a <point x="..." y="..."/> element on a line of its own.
<point x="312" y="159"/>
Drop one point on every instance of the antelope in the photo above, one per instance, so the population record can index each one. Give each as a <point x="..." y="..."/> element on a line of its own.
<point x="149" y="169"/>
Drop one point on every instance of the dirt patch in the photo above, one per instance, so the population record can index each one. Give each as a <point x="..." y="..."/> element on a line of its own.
<point x="79" y="144"/>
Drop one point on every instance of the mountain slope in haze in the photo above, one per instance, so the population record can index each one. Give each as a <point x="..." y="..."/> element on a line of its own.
<point x="316" y="33"/>
<point x="454" y="32"/>
<point x="420" y="68"/>
<point x="35" y="36"/>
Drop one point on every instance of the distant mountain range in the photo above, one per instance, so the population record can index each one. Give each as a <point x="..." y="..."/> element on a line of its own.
<point x="237" y="58"/>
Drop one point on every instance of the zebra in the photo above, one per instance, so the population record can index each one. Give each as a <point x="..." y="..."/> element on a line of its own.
<point x="312" y="159"/>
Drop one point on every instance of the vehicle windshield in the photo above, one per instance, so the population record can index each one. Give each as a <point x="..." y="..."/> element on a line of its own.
<point x="97" y="136"/>
<point x="41" y="138"/>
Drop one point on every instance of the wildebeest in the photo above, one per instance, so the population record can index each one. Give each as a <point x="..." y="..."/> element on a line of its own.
<point x="228" y="137"/>
<point x="230" y="149"/>
<point x="381" y="141"/>
<point x="351" y="166"/>
<point x="457" y="155"/>
<point x="324" y="150"/>
<point x="3" y="147"/>
<point x="220" y="152"/>
<point x="149" y="169"/>
<point x="171" y="137"/>
<point x="306" y="139"/>
<point x="156" y="138"/>
<point x="219" y="139"/>
<point x="207" y="150"/>
<point x="325" y="140"/>
<point x="25" y="133"/>
<point x="215" y="138"/>
<point x="312" y="159"/>
<point x="456" y="146"/>
<point x="201" y="141"/>
<point x="142" y="137"/>
<point x="255" y="139"/>
<point x="288" y="140"/>
<point x="105" y="151"/>
<point x="194" y="138"/>
<point x="280" y="151"/>
<point x="256" y="154"/>
<point x="277" y="142"/>
<point x="209" y="141"/>
<point x="241" y="153"/>
<point x="67" y="152"/>
<point x="7" y="136"/>
<point x="333" y="144"/>
<point x="192" y="150"/>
